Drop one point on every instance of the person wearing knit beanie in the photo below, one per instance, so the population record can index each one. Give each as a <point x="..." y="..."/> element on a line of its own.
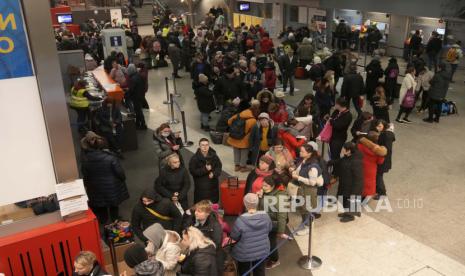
<point x="135" y="255"/>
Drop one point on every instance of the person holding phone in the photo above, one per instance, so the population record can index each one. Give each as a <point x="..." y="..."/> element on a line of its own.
<point x="166" y="142"/>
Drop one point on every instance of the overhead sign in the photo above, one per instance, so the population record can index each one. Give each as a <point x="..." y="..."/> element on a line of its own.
<point x="15" y="61"/>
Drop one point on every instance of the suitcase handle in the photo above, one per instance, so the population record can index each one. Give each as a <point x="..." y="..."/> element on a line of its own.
<point x="236" y="185"/>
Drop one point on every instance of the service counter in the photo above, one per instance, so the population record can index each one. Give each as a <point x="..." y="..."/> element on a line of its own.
<point x="111" y="88"/>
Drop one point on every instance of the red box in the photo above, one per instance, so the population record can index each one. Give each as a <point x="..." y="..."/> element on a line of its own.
<point x="50" y="250"/>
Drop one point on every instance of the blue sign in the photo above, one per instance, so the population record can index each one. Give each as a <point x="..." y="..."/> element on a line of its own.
<point x="15" y="61"/>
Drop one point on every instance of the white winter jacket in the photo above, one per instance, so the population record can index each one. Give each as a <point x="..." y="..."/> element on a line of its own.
<point x="169" y="252"/>
<point x="409" y="82"/>
<point x="423" y="80"/>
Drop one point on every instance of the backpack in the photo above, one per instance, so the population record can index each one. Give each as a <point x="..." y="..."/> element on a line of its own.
<point x="237" y="128"/>
<point x="452" y="55"/>
<point x="393" y="73"/>
<point x="448" y="108"/>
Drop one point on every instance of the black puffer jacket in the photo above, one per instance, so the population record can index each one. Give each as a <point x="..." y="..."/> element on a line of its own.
<point x="205" y="188"/>
<point x="349" y="169"/>
<point x="205" y="101"/>
<point x="142" y="218"/>
<point x="104" y="178"/>
<point x="212" y="230"/>
<point x="200" y="262"/>
<point x="173" y="180"/>
<point x="229" y="89"/>
<point x="439" y="86"/>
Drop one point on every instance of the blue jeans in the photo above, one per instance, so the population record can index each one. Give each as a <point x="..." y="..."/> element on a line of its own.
<point x="204" y="118"/>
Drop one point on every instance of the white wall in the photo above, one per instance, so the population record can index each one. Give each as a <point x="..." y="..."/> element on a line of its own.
<point x="26" y="167"/>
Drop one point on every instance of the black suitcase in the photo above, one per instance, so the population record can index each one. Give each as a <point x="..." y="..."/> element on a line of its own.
<point x="129" y="138"/>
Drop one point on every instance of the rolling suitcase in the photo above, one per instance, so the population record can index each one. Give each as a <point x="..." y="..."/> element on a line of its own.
<point x="300" y="73"/>
<point x="232" y="192"/>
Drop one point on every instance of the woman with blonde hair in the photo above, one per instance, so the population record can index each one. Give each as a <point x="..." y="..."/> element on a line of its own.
<point x="86" y="263"/>
<point x="174" y="181"/>
<point x="201" y="254"/>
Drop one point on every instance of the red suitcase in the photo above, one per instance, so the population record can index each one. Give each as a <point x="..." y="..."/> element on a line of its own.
<point x="232" y="193"/>
<point x="300" y="73"/>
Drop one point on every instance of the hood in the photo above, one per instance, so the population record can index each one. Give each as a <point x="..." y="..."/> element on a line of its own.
<point x="150" y="193"/>
<point x="264" y="92"/>
<point x="149" y="267"/>
<point x="256" y="221"/>
<point x="247" y="114"/>
<point x="156" y="234"/>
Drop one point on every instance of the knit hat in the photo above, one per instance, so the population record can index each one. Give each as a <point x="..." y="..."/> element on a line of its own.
<point x="267" y="159"/>
<point x="264" y="115"/>
<point x="314" y="145"/>
<point x="316" y="60"/>
<point x="251" y="201"/>
<point x="135" y="255"/>
<point x="203" y="78"/>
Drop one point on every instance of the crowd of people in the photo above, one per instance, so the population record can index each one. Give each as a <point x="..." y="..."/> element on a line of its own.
<point x="237" y="72"/>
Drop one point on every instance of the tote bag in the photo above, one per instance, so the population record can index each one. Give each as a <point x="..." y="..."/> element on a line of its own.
<point x="326" y="133"/>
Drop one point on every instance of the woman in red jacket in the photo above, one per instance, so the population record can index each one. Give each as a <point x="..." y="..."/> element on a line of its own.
<point x="373" y="155"/>
<point x="291" y="143"/>
<point x="266" y="44"/>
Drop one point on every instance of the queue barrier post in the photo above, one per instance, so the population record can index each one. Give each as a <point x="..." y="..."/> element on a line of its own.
<point x="172" y="121"/>
<point x="174" y="88"/>
<point x="310" y="262"/>
<point x="167" y="101"/>
<point x="187" y="143"/>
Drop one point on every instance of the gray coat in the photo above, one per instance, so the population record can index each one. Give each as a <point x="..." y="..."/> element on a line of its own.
<point x="439" y="85"/>
<point x="251" y="231"/>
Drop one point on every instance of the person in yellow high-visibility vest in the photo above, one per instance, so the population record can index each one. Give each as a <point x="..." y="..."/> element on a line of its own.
<point x="80" y="102"/>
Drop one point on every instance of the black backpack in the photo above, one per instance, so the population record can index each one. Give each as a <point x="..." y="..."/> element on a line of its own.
<point x="237" y="128"/>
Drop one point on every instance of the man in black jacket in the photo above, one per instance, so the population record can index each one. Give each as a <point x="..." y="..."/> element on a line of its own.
<point x="433" y="48"/>
<point x="352" y="88"/>
<point x="288" y="64"/>
<point x="437" y="93"/>
<point x="152" y="209"/>
<point x="340" y="121"/>
<point x="205" y="167"/>
<point x="229" y="87"/>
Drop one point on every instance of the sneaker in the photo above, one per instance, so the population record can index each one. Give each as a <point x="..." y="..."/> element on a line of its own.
<point x="217" y="111"/>
<point x="407" y="121"/>
<point x="237" y="168"/>
<point x="400" y="121"/>
<point x="271" y="264"/>
<point x="244" y="169"/>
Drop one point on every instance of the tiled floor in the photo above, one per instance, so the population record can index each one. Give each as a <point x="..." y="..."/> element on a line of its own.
<point x="424" y="233"/>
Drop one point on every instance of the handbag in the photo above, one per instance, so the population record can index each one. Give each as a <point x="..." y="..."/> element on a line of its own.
<point x="409" y="99"/>
<point x="326" y="133"/>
